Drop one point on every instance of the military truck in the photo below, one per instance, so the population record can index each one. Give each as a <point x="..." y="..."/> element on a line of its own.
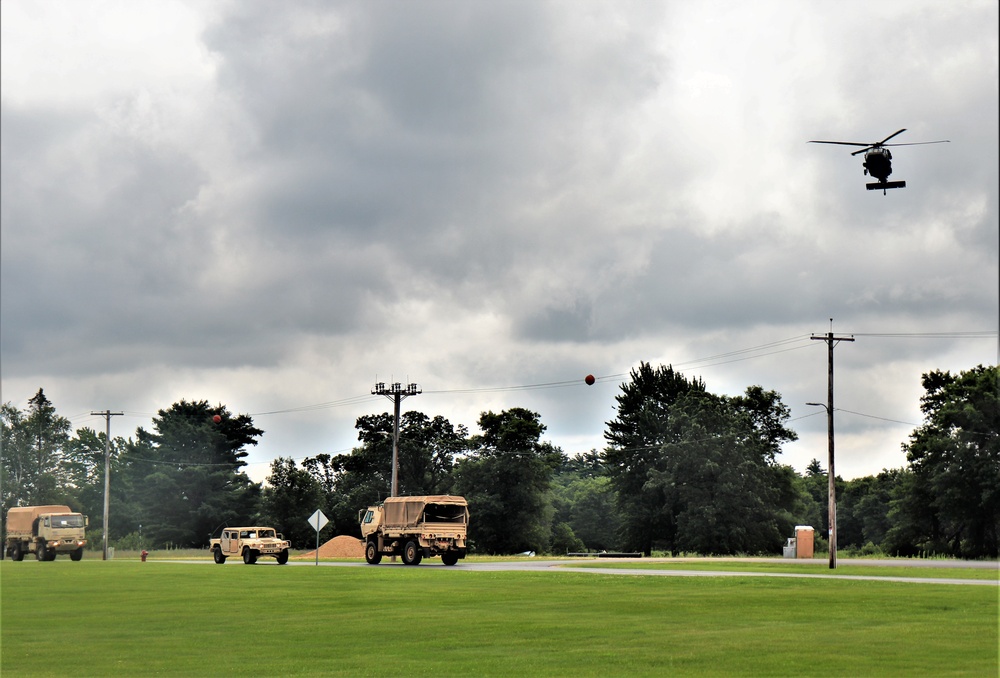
<point x="45" y="531"/>
<point x="416" y="528"/>
<point x="250" y="543"/>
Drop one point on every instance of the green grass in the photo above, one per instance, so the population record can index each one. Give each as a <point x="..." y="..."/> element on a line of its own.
<point x="128" y="618"/>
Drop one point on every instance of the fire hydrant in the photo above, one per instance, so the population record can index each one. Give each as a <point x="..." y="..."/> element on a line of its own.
<point x="143" y="555"/>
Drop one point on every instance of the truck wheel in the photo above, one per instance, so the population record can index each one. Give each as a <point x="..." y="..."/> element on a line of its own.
<point x="371" y="553"/>
<point x="411" y="553"/>
<point x="249" y="558"/>
<point x="16" y="554"/>
<point x="40" y="553"/>
<point x="449" y="557"/>
<point x="52" y="556"/>
<point x="76" y="555"/>
<point x="283" y="557"/>
<point x="219" y="558"/>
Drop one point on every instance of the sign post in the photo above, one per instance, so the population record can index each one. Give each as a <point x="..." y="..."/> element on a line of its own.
<point x="318" y="522"/>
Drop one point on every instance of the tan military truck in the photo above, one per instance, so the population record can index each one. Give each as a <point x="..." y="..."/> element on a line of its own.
<point x="45" y="531"/>
<point x="250" y="543"/>
<point x="415" y="528"/>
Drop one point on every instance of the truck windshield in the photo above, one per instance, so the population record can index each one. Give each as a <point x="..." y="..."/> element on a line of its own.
<point x="266" y="534"/>
<point x="67" y="521"/>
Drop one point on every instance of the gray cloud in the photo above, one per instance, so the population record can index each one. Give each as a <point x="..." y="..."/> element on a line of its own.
<point x="273" y="208"/>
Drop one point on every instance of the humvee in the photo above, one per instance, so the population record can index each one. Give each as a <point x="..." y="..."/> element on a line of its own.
<point x="250" y="543"/>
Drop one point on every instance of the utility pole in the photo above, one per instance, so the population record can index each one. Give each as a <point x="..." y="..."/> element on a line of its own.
<point x="832" y="492"/>
<point x="107" y="414"/>
<point x="395" y="393"/>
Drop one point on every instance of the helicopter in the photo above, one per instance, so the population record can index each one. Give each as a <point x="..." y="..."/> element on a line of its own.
<point x="878" y="159"/>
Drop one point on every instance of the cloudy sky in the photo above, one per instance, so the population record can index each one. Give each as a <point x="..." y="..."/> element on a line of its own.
<point x="274" y="206"/>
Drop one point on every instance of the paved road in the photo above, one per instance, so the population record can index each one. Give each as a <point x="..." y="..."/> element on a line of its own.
<point x="544" y="565"/>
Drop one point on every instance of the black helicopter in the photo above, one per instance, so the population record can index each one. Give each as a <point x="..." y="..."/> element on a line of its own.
<point x="878" y="159"/>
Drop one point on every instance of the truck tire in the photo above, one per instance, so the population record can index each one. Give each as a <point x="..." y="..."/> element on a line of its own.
<point x="16" y="554"/>
<point x="249" y="557"/>
<point x="219" y="558"/>
<point x="411" y="553"/>
<point x="76" y="555"/>
<point x="372" y="555"/>
<point x="283" y="557"/>
<point x="449" y="557"/>
<point x="40" y="553"/>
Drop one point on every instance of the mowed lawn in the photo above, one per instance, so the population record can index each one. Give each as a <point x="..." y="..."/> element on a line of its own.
<point x="96" y="618"/>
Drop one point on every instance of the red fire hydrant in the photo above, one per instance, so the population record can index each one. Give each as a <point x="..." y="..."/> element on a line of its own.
<point x="143" y="555"/>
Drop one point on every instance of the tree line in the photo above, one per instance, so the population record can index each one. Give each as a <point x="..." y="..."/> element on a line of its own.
<point x="684" y="470"/>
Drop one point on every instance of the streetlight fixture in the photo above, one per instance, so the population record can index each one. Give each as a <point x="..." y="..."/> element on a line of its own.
<point x="832" y="491"/>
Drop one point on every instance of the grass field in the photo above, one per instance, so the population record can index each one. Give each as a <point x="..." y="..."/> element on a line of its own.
<point x="98" y="618"/>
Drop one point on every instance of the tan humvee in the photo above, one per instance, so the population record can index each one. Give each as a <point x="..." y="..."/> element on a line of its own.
<point x="415" y="527"/>
<point x="250" y="543"/>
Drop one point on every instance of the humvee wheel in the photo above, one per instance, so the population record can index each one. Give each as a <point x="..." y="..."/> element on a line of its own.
<point x="248" y="557"/>
<point x="283" y="557"/>
<point x="411" y="554"/>
<point x="372" y="556"/>
<point x="77" y="554"/>
<point x="449" y="558"/>
<point x="217" y="554"/>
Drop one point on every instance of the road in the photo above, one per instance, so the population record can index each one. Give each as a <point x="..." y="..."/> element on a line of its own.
<point x="555" y="566"/>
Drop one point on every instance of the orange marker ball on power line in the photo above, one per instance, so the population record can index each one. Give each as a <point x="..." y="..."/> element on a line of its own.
<point x="590" y="380"/>
<point x="217" y="418"/>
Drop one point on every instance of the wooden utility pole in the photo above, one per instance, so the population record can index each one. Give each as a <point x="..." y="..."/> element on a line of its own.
<point x="107" y="414"/>
<point x="395" y="393"/>
<point x="832" y="500"/>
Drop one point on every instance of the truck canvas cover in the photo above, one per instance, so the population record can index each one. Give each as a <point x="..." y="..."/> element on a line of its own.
<point x="19" y="518"/>
<point x="410" y="511"/>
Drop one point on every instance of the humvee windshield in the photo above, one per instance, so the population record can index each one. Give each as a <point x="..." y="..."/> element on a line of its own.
<point x="266" y="534"/>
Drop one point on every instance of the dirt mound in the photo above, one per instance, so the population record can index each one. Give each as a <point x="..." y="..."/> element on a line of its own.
<point x="343" y="546"/>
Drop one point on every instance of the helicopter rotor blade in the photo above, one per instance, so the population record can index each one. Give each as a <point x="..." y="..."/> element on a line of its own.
<point x="882" y="143"/>
<point x="922" y="143"/>
<point x="863" y="150"/>
<point x="840" y="143"/>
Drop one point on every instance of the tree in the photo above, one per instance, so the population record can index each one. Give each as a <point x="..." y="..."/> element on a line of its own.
<point x="695" y="471"/>
<point x="84" y="458"/>
<point x="506" y="479"/>
<point x="951" y="502"/>
<point x="288" y="498"/>
<point x="187" y="475"/>
<point x="633" y="456"/>
<point x="427" y="450"/>
<point x="585" y="501"/>
<point x="33" y="445"/>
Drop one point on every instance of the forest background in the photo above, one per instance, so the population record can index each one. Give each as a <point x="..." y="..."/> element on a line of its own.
<point x="683" y="471"/>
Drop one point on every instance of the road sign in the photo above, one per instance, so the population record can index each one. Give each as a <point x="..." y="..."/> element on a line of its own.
<point x="318" y="520"/>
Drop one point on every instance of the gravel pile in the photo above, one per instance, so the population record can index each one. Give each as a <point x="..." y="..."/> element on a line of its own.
<point x="343" y="546"/>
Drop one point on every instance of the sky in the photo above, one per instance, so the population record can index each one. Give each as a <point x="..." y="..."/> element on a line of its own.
<point x="275" y="206"/>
